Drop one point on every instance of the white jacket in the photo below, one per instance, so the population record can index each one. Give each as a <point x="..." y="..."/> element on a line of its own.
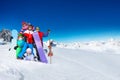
<point x="29" y="57"/>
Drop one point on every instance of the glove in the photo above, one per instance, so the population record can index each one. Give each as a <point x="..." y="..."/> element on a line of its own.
<point x="48" y="30"/>
<point x="15" y="47"/>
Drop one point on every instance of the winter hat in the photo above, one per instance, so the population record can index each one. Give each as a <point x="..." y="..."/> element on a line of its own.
<point x="24" y="23"/>
<point x="28" y="50"/>
<point x="37" y="28"/>
<point x="20" y="35"/>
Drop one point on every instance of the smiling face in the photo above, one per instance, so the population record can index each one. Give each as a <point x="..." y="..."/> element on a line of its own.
<point x="20" y="38"/>
<point x="37" y="29"/>
<point x="30" y="27"/>
<point x="24" y="26"/>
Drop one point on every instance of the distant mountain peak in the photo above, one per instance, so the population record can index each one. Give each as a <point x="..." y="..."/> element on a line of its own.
<point x="6" y="35"/>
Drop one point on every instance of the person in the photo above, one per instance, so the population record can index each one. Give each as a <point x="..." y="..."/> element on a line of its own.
<point x="20" y="44"/>
<point x="29" y="41"/>
<point x="24" y="27"/>
<point x="41" y="35"/>
<point x="28" y="55"/>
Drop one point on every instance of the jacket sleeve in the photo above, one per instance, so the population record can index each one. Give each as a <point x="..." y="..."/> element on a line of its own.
<point x="45" y="34"/>
<point x="25" y="34"/>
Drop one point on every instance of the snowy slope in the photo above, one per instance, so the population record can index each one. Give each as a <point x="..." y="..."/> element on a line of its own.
<point x="67" y="64"/>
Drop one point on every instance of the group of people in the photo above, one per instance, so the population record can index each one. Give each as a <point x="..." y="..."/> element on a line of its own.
<point x="25" y="42"/>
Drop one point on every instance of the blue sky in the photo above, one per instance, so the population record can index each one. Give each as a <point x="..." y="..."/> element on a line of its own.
<point x="69" y="20"/>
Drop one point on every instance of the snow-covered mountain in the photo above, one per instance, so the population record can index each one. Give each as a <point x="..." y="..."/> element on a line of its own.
<point x="6" y="35"/>
<point x="75" y="45"/>
<point x="110" y="44"/>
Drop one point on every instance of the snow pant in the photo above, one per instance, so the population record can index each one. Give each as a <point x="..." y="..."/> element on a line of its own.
<point x="18" y="50"/>
<point x="26" y="45"/>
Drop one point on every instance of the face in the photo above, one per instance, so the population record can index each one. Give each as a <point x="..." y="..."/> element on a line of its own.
<point x="37" y="30"/>
<point x="30" y="28"/>
<point x="20" y="38"/>
<point x="28" y="52"/>
<point x="24" y="26"/>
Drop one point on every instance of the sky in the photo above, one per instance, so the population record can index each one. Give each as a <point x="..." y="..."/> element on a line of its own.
<point x="69" y="20"/>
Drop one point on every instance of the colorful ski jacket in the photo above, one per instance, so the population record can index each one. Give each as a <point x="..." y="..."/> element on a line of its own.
<point x="29" y="36"/>
<point x="20" y="43"/>
<point x="41" y="35"/>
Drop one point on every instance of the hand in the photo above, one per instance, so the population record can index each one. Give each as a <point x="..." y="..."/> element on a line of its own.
<point x="48" y="30"/>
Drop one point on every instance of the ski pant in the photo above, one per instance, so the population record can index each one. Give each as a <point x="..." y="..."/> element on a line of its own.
<point x="18" y="50"/>
<point x="26" y="45"/>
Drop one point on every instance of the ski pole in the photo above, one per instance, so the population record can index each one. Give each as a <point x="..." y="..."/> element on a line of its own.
<point x="50" y="54"/>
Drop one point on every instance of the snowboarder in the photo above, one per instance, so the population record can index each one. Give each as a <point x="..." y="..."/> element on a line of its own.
<point x="29" y="41"/>
<point x="41" y="35"/>
<point x="20" y="44"/>
<point x="28" y="55"/>
<point x="24" y="27"/>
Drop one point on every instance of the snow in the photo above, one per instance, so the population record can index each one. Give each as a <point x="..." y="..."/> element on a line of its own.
<point x="74" y="61"/>
<point x="110" y="45"/>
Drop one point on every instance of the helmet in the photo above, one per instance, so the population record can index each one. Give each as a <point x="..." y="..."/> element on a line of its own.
<point x="37" y="28"/>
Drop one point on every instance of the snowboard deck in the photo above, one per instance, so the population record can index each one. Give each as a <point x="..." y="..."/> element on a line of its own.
<point x="14" y="40"/>
<point x="39" y="48"/>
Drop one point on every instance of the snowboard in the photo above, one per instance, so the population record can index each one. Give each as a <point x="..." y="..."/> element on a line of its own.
<point x="14" y="40"/>
<point x="39" y="48"/>
<point x="14" y="35"/>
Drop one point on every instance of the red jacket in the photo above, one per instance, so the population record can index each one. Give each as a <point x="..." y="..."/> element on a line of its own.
<point x="29" y="37"/>
<point x="41" y="35"/>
